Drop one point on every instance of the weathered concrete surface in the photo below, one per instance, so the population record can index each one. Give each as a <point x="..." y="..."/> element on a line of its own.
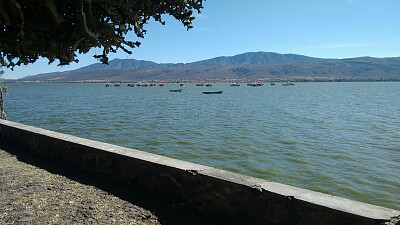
<point x="211" y="190"/>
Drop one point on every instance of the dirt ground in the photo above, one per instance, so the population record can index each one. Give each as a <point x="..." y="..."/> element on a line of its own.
<point x="38" y="191"/>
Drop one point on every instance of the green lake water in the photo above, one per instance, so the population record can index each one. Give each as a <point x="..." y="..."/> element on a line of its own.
<point x="338" y="138"/>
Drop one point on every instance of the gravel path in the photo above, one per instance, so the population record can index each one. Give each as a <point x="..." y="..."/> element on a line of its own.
<point x="31" y="195"/>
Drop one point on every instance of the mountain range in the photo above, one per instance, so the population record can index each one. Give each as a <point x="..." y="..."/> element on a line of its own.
<point x="249" y="65"/>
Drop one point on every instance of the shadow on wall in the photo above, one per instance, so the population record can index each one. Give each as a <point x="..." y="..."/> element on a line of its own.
<point x="169" y="211"/>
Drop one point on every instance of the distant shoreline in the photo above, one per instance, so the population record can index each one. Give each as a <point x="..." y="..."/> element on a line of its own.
<point x="219" y="80"/>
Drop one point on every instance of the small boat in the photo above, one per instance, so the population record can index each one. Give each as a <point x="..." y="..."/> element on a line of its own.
<point x="288" y="83"/>
<point x="108" y="85"/>
<point x="117" y="84"/>
<point x="152" y="85"/>
<point x="208" y="85"/>
<point x="200" y="84"/>
<point x="272" y="83"/>
<point x="130" y="85"/>
<point x="212" y="92"/>
<point x="175" y="90"/>
<point x="252" y="84"/>
<point x="161" y="84"/>
<point x="236" y="84"/>
<point x="182" y="84"/>
<point x="255" y="84"/>
<point x="141" y="84"/>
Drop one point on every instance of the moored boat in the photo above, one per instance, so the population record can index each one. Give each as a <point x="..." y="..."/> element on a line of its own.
<point x="212" y="92"/>
<point x="141" y="84"/>
<point x="255" y="84"/>
<point x="236" y="84"/>
<point x="130" y="85"/>
<point x="288" y="83"/>
<point x="175" y="90"/>
<point x="208" y="85"/>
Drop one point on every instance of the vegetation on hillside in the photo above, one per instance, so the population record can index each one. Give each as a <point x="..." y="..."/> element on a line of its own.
<point x="243" y="66"/>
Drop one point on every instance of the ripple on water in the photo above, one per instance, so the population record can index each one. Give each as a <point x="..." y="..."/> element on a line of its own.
<point x="350" y="191"/>
<point x="157" y="142"/>
<point x="99" y="129"/>
<point x="298" y="161"/>
<point x="184" y="142"/>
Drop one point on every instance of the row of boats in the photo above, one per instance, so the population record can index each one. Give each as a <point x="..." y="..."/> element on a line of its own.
<point x="115" y="85"/>
<point x="236" y="84"/>
<point x="139" y="84"/>
<point x="257" y="84"/>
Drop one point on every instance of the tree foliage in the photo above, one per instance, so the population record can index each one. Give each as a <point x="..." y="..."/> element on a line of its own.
<point x="58" y="29"/>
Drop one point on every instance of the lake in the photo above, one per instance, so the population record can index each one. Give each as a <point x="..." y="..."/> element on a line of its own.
<point x="337" y="138"/>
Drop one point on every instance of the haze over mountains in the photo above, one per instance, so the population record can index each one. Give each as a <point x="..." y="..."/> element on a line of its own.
<point x="243" y="66"/>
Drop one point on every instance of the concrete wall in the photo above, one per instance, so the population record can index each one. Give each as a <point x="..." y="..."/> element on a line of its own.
<point x="208" y="189"/>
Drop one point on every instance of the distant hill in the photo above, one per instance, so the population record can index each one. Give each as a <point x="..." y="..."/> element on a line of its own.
<point x="254" y="58"/>
<point x="120" y="64"/>
<point x="247" y="66"/>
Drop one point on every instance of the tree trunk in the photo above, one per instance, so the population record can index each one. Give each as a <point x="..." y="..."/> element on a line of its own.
<point x="2" y="112"/>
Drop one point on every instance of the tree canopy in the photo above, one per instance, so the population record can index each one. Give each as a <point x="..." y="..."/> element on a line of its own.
<point x="59" y="29"/>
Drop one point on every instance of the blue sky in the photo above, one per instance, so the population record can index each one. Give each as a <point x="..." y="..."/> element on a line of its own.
<point x="317" y="28"/>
